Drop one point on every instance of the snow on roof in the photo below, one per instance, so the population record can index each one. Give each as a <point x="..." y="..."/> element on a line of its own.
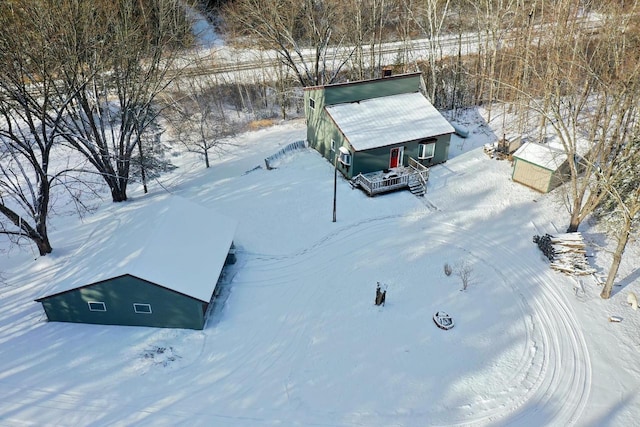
<point x="542" y="155"/>
<point x="387" y="120"/>
<point x="174" y="243"/>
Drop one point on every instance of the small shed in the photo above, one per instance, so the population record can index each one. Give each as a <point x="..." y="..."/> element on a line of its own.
<point x="152" y="266"/>
<point x="539" y="166"/>
<point x="375" y="125"/>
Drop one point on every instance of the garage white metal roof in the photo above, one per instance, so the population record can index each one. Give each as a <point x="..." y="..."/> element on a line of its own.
<point x="173" y="243"/>
<point x="388" y="120"/>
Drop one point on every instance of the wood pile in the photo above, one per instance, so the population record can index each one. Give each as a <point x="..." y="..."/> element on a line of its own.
<point x="503" y="148"/>
<point x="567" y="253"/>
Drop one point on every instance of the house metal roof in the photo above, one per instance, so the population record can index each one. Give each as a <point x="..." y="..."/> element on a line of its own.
<point x="173" y="243"/>
<point x="545" y="156"/>
<point x="378" y="122"/>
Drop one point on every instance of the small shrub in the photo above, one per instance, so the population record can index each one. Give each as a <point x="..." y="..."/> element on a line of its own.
<point x="260" y="124"/>
<point x="463" y="270"/>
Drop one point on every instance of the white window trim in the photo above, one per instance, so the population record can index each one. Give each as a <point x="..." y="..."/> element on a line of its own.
<point x="139" y="304"/>
<point x="333" y="146"/>
<point x="312" y="103"/>
<point x="104" y="306"/>
<point x="345" y="156"/>
<point x="423" y="147"/>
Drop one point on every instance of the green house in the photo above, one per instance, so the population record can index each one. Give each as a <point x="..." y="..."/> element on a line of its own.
<point x="152" y="266"/>
<point x="376" y="125"/>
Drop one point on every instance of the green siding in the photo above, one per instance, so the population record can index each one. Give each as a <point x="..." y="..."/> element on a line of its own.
<point x="357" y="91"/>
<point x="321" y="129"/>
<point x="377" y="159"/>
<point x="169" y="309"/>
<point x="315" y="117"/>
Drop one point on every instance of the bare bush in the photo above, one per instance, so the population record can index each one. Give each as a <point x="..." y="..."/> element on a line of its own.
<point x="463" y="270"/>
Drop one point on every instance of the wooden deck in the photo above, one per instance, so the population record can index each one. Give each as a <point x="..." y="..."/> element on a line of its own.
<point x="414" y="177"/>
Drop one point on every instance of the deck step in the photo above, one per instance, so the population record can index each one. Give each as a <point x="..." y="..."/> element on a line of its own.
<point x="416" y="187"/>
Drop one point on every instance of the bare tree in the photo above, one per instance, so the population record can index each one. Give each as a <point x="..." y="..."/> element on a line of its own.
<point x="27" y="104"/>
<point x="463" y="270"/>
<point x="302" y="34"/>
<point x="621" y="208"/>
<point x="197" y="117"/>
<point x="431" y="18"/>
<point x="120" y="55"/>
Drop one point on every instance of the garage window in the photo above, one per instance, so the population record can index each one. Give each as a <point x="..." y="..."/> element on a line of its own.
<point x="97" y="306"/>
<point x="142" y="308"/>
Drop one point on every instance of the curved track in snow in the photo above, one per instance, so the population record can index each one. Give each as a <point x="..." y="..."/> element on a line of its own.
<point x="552" y="378"/>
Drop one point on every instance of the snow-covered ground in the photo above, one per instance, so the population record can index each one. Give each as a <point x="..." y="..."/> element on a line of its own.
<point x="295" y="339"/>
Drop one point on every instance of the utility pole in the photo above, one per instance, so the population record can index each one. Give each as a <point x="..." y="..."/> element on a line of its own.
<point x="335" y="184"/>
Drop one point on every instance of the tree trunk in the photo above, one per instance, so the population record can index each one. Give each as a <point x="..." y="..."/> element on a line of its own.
<point x="143" y="173"/>
<point x="623" y="238"/>
<point x="573" y="225"/>
<point x="44" y="247"/>
<point x="118" y="194"/>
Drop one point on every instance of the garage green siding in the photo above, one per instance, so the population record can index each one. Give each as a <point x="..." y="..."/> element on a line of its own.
<point x="169" y="309"/>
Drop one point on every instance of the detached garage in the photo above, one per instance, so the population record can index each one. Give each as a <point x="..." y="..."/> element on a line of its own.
<point x="539" y="166"/>
<point x="152" y="266"/>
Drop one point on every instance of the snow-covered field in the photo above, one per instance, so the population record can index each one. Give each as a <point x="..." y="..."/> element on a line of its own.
<point x="295" y="339"/>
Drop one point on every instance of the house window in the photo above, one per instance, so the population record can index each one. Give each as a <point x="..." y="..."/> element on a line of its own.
<point x="426" y="151"/>
<point x="345" y="156"/>
<point x="333" y="146"/>
<point x="97" y="306"/>
<point x="142" y="308"/>
<point x="312" y="103"/>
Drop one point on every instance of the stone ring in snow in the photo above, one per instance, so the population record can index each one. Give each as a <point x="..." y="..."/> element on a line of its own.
<point x="443" y="320"/>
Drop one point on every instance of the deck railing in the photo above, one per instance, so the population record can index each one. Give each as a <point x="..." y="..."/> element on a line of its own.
<point x="421" y="170"/>
<point x="380" y="185"/>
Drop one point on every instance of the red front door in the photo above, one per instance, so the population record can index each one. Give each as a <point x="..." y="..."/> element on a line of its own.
<point x="395" y="158"/>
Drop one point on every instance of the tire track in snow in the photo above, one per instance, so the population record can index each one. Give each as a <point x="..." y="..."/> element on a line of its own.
<point x="559" y="370"/>
<point x="553" y="377"/>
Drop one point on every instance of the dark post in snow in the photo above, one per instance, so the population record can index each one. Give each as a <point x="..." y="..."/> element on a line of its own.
<point x="335" y="185"/>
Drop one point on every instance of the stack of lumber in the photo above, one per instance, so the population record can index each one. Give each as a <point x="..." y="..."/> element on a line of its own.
<point x="570" y="254"/>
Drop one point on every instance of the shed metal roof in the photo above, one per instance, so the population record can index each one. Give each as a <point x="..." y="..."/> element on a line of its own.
<point x="541" y="155"/>
<point x="378" y="122"/>
<point x="173" y="243"/>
